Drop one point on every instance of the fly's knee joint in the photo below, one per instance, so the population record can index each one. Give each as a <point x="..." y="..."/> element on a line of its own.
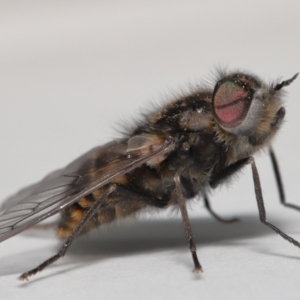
<point x="251" y="160"/>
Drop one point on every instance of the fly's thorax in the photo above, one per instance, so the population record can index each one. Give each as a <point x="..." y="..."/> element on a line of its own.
<point x="188" y="114"/>
<point x="182" y="117"/>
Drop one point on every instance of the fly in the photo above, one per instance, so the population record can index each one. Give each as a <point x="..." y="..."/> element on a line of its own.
<point x="181" y="150"/>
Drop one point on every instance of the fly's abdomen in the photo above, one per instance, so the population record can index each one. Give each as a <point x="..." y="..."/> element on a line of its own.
<point x="119" y="204"/>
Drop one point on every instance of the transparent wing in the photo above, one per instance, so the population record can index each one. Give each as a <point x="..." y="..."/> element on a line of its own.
<point x="61" y="188"/>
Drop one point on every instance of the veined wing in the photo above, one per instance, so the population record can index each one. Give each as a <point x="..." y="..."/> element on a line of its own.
<point x="61" y="188"/>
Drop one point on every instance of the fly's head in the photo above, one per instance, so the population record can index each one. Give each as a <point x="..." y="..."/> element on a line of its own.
<point x="247" y="112"/>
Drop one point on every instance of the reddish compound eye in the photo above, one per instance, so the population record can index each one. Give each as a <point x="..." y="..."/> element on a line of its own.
<point x="231" y="104"/>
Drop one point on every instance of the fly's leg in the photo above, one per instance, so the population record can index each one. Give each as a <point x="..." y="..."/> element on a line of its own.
<point x="161" y="203"/>
<point x="62" y="251"/>
<point x="230" y="170"/>
<point x="187" y="225"/>
<point x="279" y="181"/>
<point x="261" y="206"/>
<point x="225" y="221"/>
<point x="218" y="179"/>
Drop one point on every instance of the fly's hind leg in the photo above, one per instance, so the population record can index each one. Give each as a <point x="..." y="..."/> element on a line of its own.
<point x="62" y="251"/>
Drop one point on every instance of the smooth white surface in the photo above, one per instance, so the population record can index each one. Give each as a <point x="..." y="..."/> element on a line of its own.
<point x="71" y="70"/>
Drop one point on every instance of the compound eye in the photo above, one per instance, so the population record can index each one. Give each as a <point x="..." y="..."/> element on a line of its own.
<point x="231" y="102"/>
<point x="238" y="103"/>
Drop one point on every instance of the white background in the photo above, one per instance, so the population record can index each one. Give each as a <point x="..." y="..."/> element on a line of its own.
<point x="71" y="70"/>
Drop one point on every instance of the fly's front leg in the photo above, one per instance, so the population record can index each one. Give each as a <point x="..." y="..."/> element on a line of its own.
<point x="261" y="206"/>
<point x="186" y="222"/>
<point x="230" y="170"/>
<point x="279" y="181"/>
<point x="62" y="251"/>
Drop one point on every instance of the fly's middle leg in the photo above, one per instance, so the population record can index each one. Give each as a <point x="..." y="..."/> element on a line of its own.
<point x="187" y="224"/>
<point x="217" y="217"/>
